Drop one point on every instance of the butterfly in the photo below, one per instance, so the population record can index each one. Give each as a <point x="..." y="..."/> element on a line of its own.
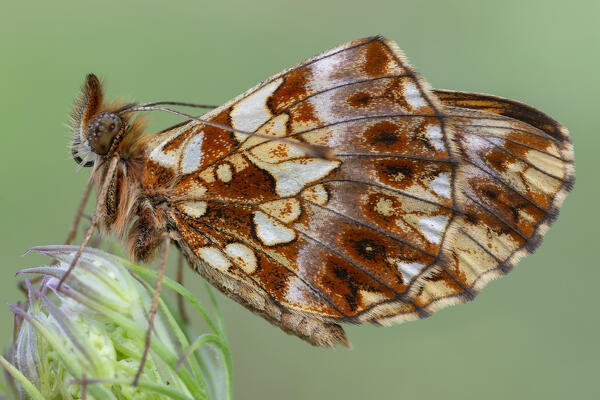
<point x="341" y="190"/>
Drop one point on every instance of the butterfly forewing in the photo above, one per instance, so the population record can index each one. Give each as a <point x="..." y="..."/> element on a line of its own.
<point x="419" y="205"/>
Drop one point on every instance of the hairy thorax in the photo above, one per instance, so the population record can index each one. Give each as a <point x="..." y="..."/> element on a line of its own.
<point x="134" y="209"/>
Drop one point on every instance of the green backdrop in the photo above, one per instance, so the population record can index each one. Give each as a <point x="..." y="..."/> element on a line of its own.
<point x="532" y="334"/>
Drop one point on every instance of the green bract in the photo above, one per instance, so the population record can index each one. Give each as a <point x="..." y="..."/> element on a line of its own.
<point x="88" y="338"/>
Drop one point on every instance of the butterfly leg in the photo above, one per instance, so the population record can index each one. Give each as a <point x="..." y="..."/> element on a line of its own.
<point x="153" y="307"/>
<point x="96" y="217"/>
<point x="180" y="299"/>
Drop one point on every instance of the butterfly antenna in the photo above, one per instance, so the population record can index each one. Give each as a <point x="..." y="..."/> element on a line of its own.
<point x="179" y="103"/>
<point x="310" y="149"/>
<point x="128" y="107"/>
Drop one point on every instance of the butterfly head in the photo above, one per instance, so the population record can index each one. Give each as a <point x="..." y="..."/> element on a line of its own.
<point x="98" y="128"/>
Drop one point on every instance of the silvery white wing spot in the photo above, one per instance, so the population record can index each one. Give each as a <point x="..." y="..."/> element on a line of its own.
<point x="425" y="197"/>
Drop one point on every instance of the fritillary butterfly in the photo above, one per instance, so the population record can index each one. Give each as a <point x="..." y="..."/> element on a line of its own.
<point x="422" y="197"/>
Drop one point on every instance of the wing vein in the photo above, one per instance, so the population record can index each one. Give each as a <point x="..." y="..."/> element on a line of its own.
<point x="535" y="131"/>
<point x="486" y="250"/>
<point x="512" y="141"/>
<point x="365" y="117"/>
<point x="498" y="217"/>
<point x="391" y="189"/>
<point x="361" y="267"/>
<point x="529" y="164"/>
<point x="512" y="189"/>
<point x="395" y="155"/>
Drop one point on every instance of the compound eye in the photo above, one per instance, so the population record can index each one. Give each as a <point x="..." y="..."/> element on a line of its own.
<point x="101" y="132"/>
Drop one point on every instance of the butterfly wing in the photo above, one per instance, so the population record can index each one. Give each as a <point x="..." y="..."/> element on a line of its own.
<point x="382" y="232"/>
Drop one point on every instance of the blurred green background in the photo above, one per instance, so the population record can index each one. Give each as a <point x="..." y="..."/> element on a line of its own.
<point x="532" y="334"/>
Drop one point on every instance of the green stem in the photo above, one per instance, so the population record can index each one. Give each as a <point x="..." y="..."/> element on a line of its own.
<point x="27" y="385"/>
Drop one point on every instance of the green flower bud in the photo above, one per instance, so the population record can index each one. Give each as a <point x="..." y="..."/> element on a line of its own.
<point x="86" y="339"/>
